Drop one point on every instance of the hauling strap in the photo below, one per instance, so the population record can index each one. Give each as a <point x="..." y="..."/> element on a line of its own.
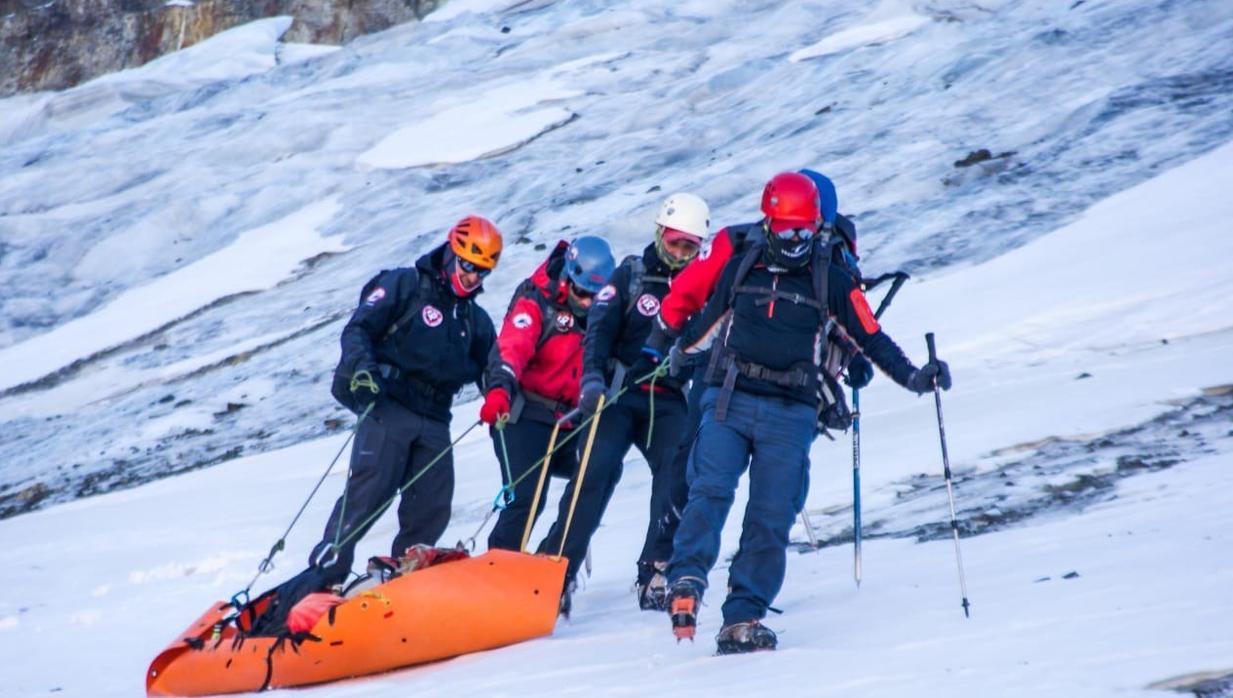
<point x="334" y="547"/>
<point x="268" y="563"/>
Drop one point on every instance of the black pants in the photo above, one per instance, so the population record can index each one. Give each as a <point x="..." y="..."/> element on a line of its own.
<point x="627" y="423"/>
<point x="392" y="445"/>
<point x="527" y="442"/>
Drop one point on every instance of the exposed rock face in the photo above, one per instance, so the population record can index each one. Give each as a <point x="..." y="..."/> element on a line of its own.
<point x="54" y="44"/>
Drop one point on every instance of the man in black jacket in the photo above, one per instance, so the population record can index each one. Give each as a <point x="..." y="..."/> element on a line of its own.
<point x="416" y="339"/>
<point x="649" y="416"/>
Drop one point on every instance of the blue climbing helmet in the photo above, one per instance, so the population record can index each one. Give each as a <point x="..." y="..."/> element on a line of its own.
<point x="828" y="198"/>
<point x="589" y="263"/>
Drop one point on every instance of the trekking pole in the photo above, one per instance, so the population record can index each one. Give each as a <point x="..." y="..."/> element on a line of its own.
<point x="856" y="486"/>
<point x="582" y="473"/>
<point x="543" y="475"/>
<point x="899" y="279"/>
<point x="809" y="532"/>
<point x="954" y="523"/>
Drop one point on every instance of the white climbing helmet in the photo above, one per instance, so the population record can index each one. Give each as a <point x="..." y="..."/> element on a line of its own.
<point x="686" y="213"/>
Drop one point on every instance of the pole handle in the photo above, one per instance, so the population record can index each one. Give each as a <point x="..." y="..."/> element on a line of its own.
<point x="933" y="349"/>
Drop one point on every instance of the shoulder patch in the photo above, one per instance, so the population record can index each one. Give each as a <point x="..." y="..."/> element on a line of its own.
<point x="869" y="323"/>
<point x="432" y="317"/>
<point x="521" y="320"/>
<point x="648" y="304"/>
<point x="565" y="321"/>
<point x="705" y="252"/>
<point x="373" y="298"/>
<point x="606" y="293"/>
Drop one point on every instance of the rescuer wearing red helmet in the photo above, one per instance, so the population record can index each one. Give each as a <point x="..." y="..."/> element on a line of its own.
<point x="763" y="325"/>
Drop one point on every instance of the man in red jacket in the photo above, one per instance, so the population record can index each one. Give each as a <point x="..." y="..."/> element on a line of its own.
<point x="535" y="371"/>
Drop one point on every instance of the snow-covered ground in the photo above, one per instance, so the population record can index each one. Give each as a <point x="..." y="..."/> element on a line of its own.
<point x="552" y="118"/>
<point x="173" y="274"/>
<point x="110" y="579"/>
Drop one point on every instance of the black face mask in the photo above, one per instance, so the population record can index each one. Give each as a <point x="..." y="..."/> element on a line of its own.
<point x="788" y="254"/>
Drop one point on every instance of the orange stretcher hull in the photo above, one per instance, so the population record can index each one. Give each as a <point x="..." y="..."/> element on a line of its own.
<point x="496" y="599"/>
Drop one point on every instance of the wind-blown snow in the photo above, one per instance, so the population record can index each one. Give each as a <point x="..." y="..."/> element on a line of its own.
<point x="871" y="34"/>
<point x="497" y="119"/>
<point x="257" y="260"/>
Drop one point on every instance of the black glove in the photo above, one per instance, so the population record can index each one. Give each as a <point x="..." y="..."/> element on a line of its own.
<point x="860" y="372"/>
<point x="593" y="388"/>
<point x="921" y="380"/>
<point x="647" y="362"/>
<point x="366" y="388"/>
<point x="678" y="361"/>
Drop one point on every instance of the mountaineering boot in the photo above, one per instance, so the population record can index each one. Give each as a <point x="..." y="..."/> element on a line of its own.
<point x="652" y="586"/>
<point x="567" y="603"/>
<point x="683" y="609"/>
<point x="750" y="636"/>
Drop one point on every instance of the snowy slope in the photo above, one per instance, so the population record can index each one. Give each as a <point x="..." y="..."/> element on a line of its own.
<point x="174" y="271"/>
<point x="572" y="116"/>
<point x="110" y="579"/>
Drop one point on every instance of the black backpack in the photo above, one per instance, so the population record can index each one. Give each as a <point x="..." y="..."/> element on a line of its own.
<point x="340" y="384"/>
<point x="833" y="411"/>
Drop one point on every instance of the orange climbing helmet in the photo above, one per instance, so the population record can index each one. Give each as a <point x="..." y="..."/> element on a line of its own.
<point x="476" y="240"/>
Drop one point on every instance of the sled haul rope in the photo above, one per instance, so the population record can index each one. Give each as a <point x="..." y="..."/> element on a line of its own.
<point x="478" y="603"/>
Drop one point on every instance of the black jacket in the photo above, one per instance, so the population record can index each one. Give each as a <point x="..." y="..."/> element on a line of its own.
<point x="783" y="335"/>
<point x="442" y="345"/>
<point x="622" y="316"/>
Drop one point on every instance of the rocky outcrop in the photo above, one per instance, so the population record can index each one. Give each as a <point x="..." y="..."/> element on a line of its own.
<point x="54" y="44"/>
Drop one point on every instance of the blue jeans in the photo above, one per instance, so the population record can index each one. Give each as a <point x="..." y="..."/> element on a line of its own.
<point x="770" y="436"/>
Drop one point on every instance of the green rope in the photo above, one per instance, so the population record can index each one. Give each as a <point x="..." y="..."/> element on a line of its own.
<point x="577" y="430"/>
<point x="364" y="379"/>
<point x="501" y="501"/>
<point x="660" y="369"/>
<point x="337" y="545"/>
<point x="268" y="563"/>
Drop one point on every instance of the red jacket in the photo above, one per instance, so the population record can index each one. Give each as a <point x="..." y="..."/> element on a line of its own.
<point x="548" y="362"/>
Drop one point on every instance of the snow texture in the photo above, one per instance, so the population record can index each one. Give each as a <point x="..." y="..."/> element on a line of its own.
<point x="180" y="244"/>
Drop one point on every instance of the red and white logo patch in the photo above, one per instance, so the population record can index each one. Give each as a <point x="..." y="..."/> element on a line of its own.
<point x="565" y="321"/>
<point x="648" y="305"/>
<point x="521" y="321"/>
<point x="705" y="251"/>
<point x="432" y="316"/>
<point x="606" y="293"/>
<point x="377" y="294"/>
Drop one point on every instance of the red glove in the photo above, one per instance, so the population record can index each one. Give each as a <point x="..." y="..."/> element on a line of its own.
<point x="496" y="405"/>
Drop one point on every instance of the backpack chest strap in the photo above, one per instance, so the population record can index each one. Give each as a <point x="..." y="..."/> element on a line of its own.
<point x="771" y="295"/>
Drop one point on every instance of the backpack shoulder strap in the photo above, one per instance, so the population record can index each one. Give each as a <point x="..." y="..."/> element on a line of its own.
<point x="745" y="263"/>
<point x="822" y="274"/>
<point x="423" y="287"/>
<point x="637" y="270"/>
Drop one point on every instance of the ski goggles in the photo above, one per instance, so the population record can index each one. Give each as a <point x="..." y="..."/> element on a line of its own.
<point x="579" y="292"/>
<point x="472" y="268"/>
<point x="787" y="230"/>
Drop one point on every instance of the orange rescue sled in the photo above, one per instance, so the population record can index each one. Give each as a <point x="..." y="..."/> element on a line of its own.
<point x="498" y="598"/>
